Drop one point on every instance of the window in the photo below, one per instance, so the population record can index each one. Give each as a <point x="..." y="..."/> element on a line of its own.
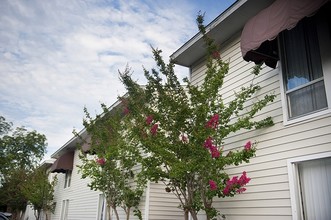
<point x="310" y="187"/>
<point x="102" y="207"/>
<point x="67" y="180"/>
<point x="64" y="210"/>
<point x="303" y="77"/>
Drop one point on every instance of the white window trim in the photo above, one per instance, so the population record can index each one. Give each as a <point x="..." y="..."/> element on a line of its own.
<point x="65" y="209"/>
<point x="104" y="207"/>
<point x="327" y="84"/>
<point x="67" y="179"/>
<point x="293" y="181"/>
<point x="325" y="44"/>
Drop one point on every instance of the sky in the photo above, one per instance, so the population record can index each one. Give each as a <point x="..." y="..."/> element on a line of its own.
<point x="59" y="56"/>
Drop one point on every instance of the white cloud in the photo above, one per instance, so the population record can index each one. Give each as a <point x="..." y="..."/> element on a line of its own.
<point x="58" y="56"/>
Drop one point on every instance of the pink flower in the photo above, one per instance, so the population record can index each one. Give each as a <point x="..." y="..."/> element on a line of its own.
<point x="213" y="122"/>
<point x="248" y="145"/>
<point x="149" y="119"/>
<point x="241" y="190"/>
<point x="243" y="180"/>
<point x="212" y="185"/>
<point x="236" y="184"/>
<point x="233" y="181"/>
<point x="214" y="152"/>
<point x="208" y="142"/>
<point x="154" y="129"/>
<point x="226" y="191"/>
<point x="101" y="161"/>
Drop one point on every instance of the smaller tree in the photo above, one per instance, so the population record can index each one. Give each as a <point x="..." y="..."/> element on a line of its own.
<point x="12" y="195"/>
<point x="111" y="167"/>
<point x="20" y="152"/>
<point x="39" y="192"/>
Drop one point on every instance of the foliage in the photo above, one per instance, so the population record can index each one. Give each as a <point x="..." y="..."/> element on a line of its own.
<point x="20" y="152"/>
<point x="111" y="167"/>
<point x="181" y="130"/>
<point x="21" y="149"/>
<point x="5" y="126"/>
<point x="39" y="191"/>
<point x="12" y="195"/>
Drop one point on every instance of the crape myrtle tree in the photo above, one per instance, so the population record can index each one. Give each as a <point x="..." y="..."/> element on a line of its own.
<point x="110" y="166"/>
<point x="181" y="130"/>
<point x="39" y="192"/>
<point x="21" y="151"/>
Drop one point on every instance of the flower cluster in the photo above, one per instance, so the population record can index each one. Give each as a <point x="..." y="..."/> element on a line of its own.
<point x="212" y="185"/>
<point x="208" y="144"/>
<point x="101" y="161"/>
<point x="149" y="119"/>
<point x="248" y="146"/>
<point x="154" y="129"/>
<point x="213" y="122"/>
<point x="236" y="184"/>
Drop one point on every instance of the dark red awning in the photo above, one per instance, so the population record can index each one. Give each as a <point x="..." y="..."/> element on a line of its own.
<point x="63" y="163"/>
<point x="268" y="23"/>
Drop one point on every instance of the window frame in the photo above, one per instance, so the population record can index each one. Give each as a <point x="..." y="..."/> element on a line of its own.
<point x="293" y="177"/>
<point x="324" y="40"/>
<point x="64" y="209"/>
<point x="67" y="179"/>
<point x="102" y="207"/>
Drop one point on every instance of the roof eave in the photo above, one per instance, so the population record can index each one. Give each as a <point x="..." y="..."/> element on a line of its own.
<point x="230" y="22"/>
<point x="75" y="141"/>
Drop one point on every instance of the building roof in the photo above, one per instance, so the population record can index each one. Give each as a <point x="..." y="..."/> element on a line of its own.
<point x="75" y="141"/>
<point x="223" y="27"/>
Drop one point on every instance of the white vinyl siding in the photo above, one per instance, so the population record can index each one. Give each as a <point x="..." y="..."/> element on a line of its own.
<point x="84" y="202"/>
<point x="163" y="205"/>
<point x="267" y="195"/>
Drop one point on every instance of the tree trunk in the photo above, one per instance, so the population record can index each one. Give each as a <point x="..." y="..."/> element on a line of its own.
<point x="37" y="214"/>
<point x="108" y="216"/>
<point x="194" y="215"/>
<point x="128" y="213"/>
<point x="186" y="214"/>
<point x="116" y="213"/>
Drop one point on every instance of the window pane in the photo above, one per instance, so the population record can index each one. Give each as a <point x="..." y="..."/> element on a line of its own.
<point x="301" y="54"/>
<point x="67" y="180"/>
<point x="297" y="66"/>
<point x="308" y="99"/>
<point x="315" y="184"/>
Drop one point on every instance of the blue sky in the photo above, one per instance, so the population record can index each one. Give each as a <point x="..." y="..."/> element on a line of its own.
<point x="58" y="56"/>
